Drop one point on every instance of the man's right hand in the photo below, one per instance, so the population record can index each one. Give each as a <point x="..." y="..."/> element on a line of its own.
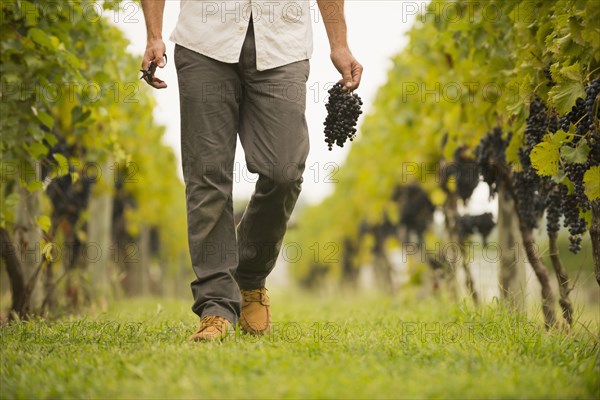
<point x="155" y="51"/>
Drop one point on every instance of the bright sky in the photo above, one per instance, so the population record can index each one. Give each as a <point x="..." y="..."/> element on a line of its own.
<point x="375" y="32"/>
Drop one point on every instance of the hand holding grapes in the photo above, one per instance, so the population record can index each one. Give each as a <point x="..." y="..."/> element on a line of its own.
<point x="343" y="106"/>
<point x="346" y="64"/>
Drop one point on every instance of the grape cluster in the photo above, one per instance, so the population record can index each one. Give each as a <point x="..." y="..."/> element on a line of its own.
<point x="531" y="201"/>
<point x="553" y="208"/>
<point x="343" y="110"/>
<point x="528" y="185"/>
<point x="491" y="157"/>
<point x="537" y="124"/>
<point x="536" y="194"/>
<point x="467" y="225"/>
<point x="575" y="116"/>
<point x="584" y="115"/>
<point x="465" y="171"/>
<point x="592" y="110"/>
<point x="69" y="198"/>
<point x="576" y="225"/>
<point x="575" y="174"/>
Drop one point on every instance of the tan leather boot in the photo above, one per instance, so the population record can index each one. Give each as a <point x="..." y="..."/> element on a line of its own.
<point x="211" y="327"/>
<point x="256" y="312"/>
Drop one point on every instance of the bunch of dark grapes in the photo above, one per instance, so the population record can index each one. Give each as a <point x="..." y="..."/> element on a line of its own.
<point x="576" y="115"/>
<point x="584" y="115"/>
<point x="573" y="222"/>
<point x="589" y="123"/>
<point x="69" y="198"/>
<point x="592" y="110"/>
<point x="343" y="110"/>
<point x="465" y="171"/>
<point x="491" y="157"/>
<point x="467" y="174"/>
<point x="575" y="174"/>
<point x="467" y="225"/>
<point x="530" y="200"/>
<point x="527" y="183"/>
<point x="537" y="124"/>
<point x="553" y="208"/>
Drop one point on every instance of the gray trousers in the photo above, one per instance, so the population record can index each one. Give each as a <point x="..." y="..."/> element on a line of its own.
<point x="266" y="108"/>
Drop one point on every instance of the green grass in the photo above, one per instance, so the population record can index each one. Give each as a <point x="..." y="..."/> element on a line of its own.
<point x="320" y="348"/>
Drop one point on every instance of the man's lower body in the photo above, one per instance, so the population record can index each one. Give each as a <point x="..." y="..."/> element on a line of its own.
<point x="266" y="108"/>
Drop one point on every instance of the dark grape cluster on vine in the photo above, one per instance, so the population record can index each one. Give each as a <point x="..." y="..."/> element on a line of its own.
<point x="536" y="193"/>
<point x="343" y="109"/>
<point x="592" y="120"/>
<point x="553" y="208"/>
<point x="468" y="225"/>
<point x="69" y="198"/>
<point x="491" y="157"/>
<point x="575" y="224"/>
<point x="466" y="172"/>
<point x="584" y="115"/>
<point x="528" y="185"/>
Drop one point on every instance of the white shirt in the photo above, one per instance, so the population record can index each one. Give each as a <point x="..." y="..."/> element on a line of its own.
<point x="217" y="29"/>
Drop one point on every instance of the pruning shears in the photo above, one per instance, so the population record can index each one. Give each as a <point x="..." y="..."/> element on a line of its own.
<point x="148" y="74"/>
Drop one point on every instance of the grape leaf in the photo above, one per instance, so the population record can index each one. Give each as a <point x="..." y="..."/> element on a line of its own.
<point x="30" y="12"/>
<point x="591" y="181"/>
<point x="577" y="154"/>
<point x="568" y="87"/>
<point x="41" y="38"/>
<point x="51" y="139"/>
<point x="37" y="150"/>
<point x="63" y="164"/>
<point x="545" y="157"/>
<point x="34" y="185"/>
<point x="44" y="222"/>
<point x="44" y="118"/>
<point x="561" y="137"/>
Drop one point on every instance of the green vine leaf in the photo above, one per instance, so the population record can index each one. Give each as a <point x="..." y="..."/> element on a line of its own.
<point x="41" y="38"/>
<point x="31" y="13"/>
<point x="44" y="222"/>
<point x="34" y="185"/>
<point x="51" y="139"/>
<point x="568" y="88"/>
<point x="43" y="117"/>
<point x="545" y="158"/>
<point x="37" y="150"/>
<point x="63" y="165"/>
<point x="591" y="182"/>
<point x="577" y="154"/>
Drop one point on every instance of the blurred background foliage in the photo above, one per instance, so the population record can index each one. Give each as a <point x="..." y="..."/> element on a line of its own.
<point x="469" y="67"/>
<point x="89" y="191"/>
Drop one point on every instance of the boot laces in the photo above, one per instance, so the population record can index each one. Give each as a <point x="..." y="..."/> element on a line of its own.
<point x="211" y="320"/>
<point x="259" y="295"/>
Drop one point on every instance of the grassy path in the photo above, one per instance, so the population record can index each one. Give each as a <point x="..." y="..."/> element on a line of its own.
<point x="352" y="348"/>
